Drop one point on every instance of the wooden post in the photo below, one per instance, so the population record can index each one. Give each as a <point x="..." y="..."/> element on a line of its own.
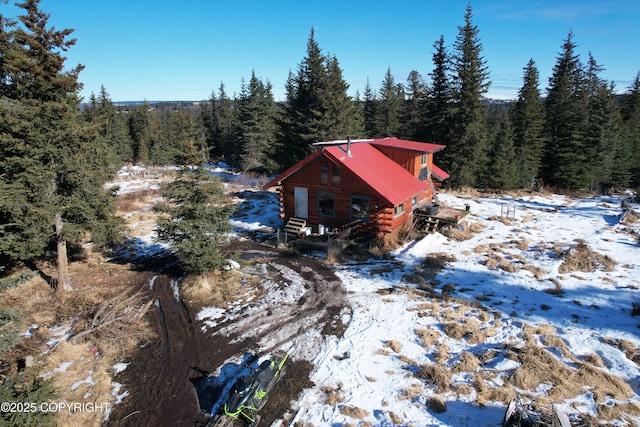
<point x="334" y="249"/>
<point x="64" y="282"/>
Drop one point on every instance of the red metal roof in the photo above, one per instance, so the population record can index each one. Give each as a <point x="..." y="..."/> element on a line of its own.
<point x="389" y="180"/>
<point x="439" y="173"/>
<point x="422" y="147"/>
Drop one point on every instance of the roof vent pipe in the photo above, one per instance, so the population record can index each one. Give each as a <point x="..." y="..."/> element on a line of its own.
<point x="349" y="146"/>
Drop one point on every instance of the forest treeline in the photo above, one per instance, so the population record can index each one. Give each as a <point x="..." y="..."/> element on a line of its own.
<point x="55" y="156"/>
<point x="579" y="135"/>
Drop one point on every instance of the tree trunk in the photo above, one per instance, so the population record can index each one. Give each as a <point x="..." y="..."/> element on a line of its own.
<point x="64" y="282"/>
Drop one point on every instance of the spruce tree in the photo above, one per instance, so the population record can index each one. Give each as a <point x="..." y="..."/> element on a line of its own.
<point x="317" y="107"/>
<point x="438" y="116"/>
<point x="226" y="117"/>
<point x="219" y="121"/>
<point x="631" y="124"/>
<point x="145" y="131"/>
<point x="110" y="126"/>
<point x="182" y="139"/>
<point x="527" y="118"/>
<point x="195" y="220"/>
<point x="567" y="158"/>
<point x="465" y="156"/>
<point x="502" y="165"/>
<point x="414" y="110"/>
<point x="306" y="110"/>
<point x="342" y="115"/>
<point x="391" y="99"/>
<point x="601" y="134"/>
<point x="257" y="126"/>
<point x="52" y="175"/>
<point x="370" y="112"/>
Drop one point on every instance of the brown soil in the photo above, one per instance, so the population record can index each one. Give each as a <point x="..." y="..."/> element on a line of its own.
<point x="170" y="382"/>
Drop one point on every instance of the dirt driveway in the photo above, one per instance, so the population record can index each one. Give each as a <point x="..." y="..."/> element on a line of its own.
<point x="177" y="378"/>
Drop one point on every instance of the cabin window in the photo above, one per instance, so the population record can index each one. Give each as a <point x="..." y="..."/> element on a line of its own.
<point x="424" y="159"/>
<point x="414" y="202"/>
<point x="324" y="174"/>
<point x="398" y="210"/>
<point x="359" y="208"/>
<point x="326" y="203"/>
<point x="335" y="179"/>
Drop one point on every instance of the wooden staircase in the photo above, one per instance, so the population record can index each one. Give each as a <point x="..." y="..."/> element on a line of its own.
<point x="295" y="225"/>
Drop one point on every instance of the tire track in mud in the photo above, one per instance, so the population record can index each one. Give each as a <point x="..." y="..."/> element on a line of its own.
<point x="165" y="378"/>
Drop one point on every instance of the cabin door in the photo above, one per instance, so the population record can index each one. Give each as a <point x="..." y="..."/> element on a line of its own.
<point x="301" y="202"/>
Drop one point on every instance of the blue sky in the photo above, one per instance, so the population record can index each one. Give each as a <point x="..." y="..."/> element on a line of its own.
<point x="168" y="50"/>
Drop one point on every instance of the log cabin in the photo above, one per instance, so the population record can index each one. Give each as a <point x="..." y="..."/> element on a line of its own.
<point x="375" y="182"/>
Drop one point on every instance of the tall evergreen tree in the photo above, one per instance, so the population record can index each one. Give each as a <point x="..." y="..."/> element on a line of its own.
<point x="502" y="165"/>
<point x="602" y="139"/>
<point x="305" y="106"/>
<point x="414" y="111"/>
<point x="370" y="111"/>
<point x="182" y="140"/>
<point x="631" y="124"/>
<point x="318" y="107"/>
<point x="527" y="118"/>
<point x="566" y="159"/>
<point x="465" y="156"/>
<point x="342" y="117"/>
<point x="219" y="121"/>
<point x="110" y="126"/>
<point x="144" y="130"/>
<point x="52" y="182"/>
<point x="391" y="99"/>
<point x="257" y="126"/>
<point x="196" y="220"/>
<point x="437" y="123"/>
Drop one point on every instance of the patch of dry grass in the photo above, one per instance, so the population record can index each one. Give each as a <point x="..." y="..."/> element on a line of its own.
<point x="441" y="355"/>
<point x="630" y="350"/>
<point x="219" y="289"/>
<point x="538" y="272"/>
<point x="557" y="342"/>
<point x="354" y="412"/>
<point x="437" y="404"/>
<point x="582" y="258"/>
<point x="469" y="329"/>
<point x="428" y="337"/>
<point x="594" y="359"/>
<point x="29" y="298"/>
<point x="411" y="392"/>
<point x="468" y="363"/>
<point x="619" y="411"/>
<point x="522" y="244"/>
<point x="333" y="394"/>
<point x="631" y="217"/>
<point x="395" y="418"/>
<point x="502" y="219"/>
<point x="86" y="380"/>
<point x="537" y="366"/>
<point x="137" y="200"/>
<point x="557" y="289"/>
<point x="436" y="375"/>
<point x="467" y="232"/>
<point x="496" y="394"/>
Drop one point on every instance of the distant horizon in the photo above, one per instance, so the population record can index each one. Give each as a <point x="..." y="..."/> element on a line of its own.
<point x="165" y="51"/>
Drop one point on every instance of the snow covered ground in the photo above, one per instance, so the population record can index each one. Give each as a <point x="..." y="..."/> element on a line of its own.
<point x="466" y="336"/>
<point x="508" y="291"/>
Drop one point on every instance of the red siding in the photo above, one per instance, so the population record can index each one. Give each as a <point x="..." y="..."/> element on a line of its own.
<point x="382" y="217"/>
